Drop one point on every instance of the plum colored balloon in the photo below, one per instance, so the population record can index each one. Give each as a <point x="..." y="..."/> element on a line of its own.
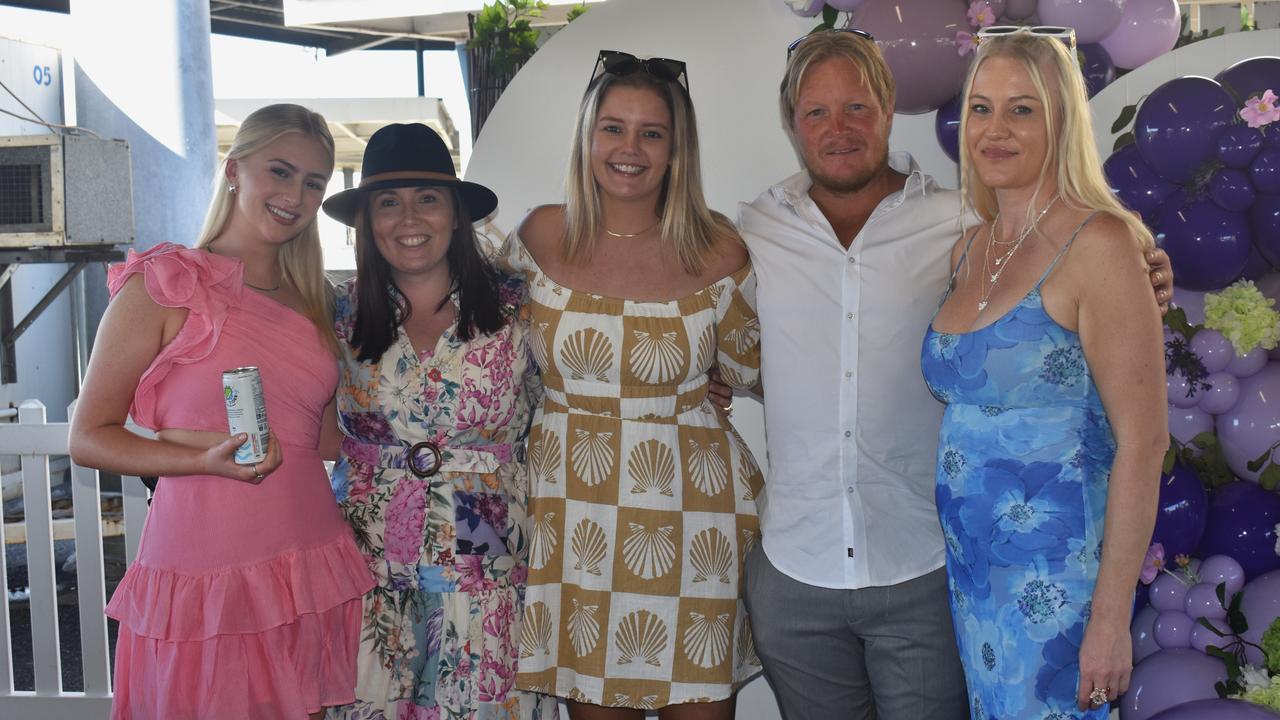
<point x="1178" y="391"/>
<point x="1098" y="69"/>
<point x="1248" y="364"/>
<point x="1252" y="76"/>
<point x="1217" y="569"/>
<point x="1202" y="602"/>
<point x="1018" y="9"/>
<point x="1168" y="593"/>
<point x="1176" y="126"/>
<point x="946" y="127"/>
<point x="1242" y="523"/>
<point x="1232" y="189"/>
<point x="1217" y="709"/>
<point x="1172" y="629"/>
<point x="1238" y="145"/>
<point x="1207" y="246"/>
<point x="1183" y="508"/>
<point x="1264" y="171"/>
<point x="1092" y="19"/>
<point x="1260" y="606"/>
<point x="1222" y="393"/>
<point x="1213" y="349"/>
<point x="1191" y="302"/>
<point x="1202" y="637"/>
<point x="1146" y="30"/>
<point x="1170" y="678"/>
<point x="1186" y="423"/>
<point x="1257" y="265"/>
<point x="813" y="9"/>
<point x="919" y="44"/>
<point x="1264" y="220"/>
<point x="1137" y="186"/>
<point x="1144" y="643"/>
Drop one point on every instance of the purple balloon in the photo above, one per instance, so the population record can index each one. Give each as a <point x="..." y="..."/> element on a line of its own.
<point x="1202" y="637"/>
<point x="845" y="5"/>
<point x="1170" y="678"/>
<point x="1232" y="189"/>
<point x="1144" y="643"/>
<point x="1178" y="391"/>
<point x="1137" y="186"/>
<point x="813" y="9"/>
<point x="1097" y="67"/>
<point x="1264" y="171"/>
<point x="946" y="127"/>
<point x="1172" y="629"/>
<point x="1242" y="523"/>
<point x="1019" y="9"/>
<point x="1260" y="606"/>
<point x="1168" y="593"/>
<point x="1191" y="302"/>
<point x="1238" y="145"/>
<point x="1147" y="29"/>
<point x="1217" y="569"/>
<point x="1186" y="423"/>
<point x="1181" y="513"/>
<point x="1176" y="128"/>
<point x="919" y="44"/>
<point x="1264" y="219"/>
<point x="1257" y="265"/>
<point x="1213" y="349"/>
<point x="1092" y="19"/>
<point x="1248" y="364"/>
<point x="1202" y="602"/>
<point x="1251" y="77"/>
<point x="1207" y="246"/>
<point x="1221" y="395"/>
<point x="1217" y="709"/>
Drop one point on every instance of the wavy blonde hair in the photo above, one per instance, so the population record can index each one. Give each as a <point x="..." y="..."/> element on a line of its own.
<point x="301" y="259"/>
<point x="1071" y="149"/>
<point x="688" y="225"/>
<point x="822" y="45"/>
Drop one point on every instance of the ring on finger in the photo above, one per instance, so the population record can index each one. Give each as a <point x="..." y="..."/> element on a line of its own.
<point x="1098" y="697"/>
<point x="257" y="475"/>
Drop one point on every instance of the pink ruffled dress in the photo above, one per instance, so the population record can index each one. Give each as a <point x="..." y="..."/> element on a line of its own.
<point x="244" y="601"/>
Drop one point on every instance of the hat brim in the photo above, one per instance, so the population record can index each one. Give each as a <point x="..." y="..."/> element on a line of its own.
<point x="345" y="206"/>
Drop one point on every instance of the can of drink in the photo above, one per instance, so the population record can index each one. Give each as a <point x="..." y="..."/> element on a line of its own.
<point x="246" y="412"/>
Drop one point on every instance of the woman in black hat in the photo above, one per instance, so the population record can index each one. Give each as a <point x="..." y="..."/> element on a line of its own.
<point x="434" y="404"/>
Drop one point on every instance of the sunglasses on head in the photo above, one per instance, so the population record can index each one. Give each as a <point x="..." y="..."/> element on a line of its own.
<point x="852" y="31"/>
<point x="1065" y="34"/>
<point x="621" y="64"/>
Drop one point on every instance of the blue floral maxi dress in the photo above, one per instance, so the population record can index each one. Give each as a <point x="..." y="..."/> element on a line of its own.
<point x="1023" y="463"/>
<point x="441" y="628"/>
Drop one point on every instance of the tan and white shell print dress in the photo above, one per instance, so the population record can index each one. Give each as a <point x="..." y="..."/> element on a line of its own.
<point x="642" y="502"/>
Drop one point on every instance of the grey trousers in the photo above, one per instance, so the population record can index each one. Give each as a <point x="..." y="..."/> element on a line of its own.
<point x="879" y="653"/>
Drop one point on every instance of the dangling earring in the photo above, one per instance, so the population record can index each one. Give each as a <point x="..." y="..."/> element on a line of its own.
<point x="231" y="189"/>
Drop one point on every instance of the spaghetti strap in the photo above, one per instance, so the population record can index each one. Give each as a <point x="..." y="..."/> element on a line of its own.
<point x="1064" y="249"/>
<point x="951" y="285"/>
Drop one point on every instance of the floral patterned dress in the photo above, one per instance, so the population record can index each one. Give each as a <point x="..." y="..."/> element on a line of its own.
<point x="1023" y="463"/>
<point x="441" y="627"/>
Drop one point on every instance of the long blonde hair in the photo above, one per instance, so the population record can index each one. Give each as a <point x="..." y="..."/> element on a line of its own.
<point x="300" y="259"/>
<point x="687" y="223"/>
<point x="1071" y="149"/>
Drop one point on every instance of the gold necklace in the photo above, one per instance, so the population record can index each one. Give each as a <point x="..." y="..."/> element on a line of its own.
<point x="1002" y="261"/>
<point x="611" y="233"/>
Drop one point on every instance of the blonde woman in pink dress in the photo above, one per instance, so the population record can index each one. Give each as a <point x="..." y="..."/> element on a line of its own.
<point x="244" y="600"/>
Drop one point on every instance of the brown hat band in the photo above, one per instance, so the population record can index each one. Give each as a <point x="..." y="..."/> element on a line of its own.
<point x="407" y="175"/>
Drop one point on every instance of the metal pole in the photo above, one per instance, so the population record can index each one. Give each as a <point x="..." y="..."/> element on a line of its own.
<point x="422" y="73"/>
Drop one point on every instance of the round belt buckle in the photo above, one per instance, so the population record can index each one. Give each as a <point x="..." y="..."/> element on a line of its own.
<point x="424" y="467"/>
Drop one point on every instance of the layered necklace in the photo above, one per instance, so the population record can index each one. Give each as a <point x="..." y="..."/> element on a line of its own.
<point x="1002" y="261"/>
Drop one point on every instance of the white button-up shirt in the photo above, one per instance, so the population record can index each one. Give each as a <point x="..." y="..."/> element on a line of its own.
<point x="851" y="428"/>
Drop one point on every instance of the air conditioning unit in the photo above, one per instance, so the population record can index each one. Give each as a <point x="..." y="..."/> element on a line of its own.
<point x="64" y="191"/>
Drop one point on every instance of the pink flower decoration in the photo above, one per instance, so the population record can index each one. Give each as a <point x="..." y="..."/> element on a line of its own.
<point x="965" y="43"/>
<point x="1259" y="111"/>
<point x="1152" y="564"/>
<point x="980" y="14"/>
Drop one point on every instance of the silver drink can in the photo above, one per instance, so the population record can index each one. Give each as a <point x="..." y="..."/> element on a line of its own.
<point x="246" y="412"/>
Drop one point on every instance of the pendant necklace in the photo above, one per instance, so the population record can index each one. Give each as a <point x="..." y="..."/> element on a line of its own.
<point x="1002" y="261"/>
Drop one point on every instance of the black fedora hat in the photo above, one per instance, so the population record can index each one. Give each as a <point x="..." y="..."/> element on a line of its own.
<point x="408" y="155"/>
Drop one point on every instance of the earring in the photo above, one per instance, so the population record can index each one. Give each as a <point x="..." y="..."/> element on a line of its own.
<point x="231" y="189"/>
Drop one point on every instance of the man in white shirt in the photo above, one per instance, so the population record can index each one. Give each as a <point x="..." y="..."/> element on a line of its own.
<point x="848" y="595"/>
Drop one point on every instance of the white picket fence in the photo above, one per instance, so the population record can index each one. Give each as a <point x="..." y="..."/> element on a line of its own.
<point x="35" y="440"/>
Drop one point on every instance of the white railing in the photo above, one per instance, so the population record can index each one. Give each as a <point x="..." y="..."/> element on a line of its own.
<point x="35" y="440"/>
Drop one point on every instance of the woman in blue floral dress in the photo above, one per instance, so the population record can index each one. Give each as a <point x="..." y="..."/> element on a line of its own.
<point x="1055" y="427"/>
<point x="436" y="392"/>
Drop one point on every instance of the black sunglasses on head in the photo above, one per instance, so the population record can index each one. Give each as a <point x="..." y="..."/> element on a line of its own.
<point x="853" y="31"/>
<point x="621" y="64"/>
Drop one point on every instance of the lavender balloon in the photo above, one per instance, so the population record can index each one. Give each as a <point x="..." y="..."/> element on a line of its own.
<point x="1248" y="364"/>
<point x="1232" y="190"/>
<point x="1217" y="709"/>
<point x="1170" y="678"/>
<point x="1092" y="19"/>
<point x="1213" y="349"/>
<point x="919" y="44"/>
<point x="845" y="5"/>
<point x="1238" y="145"/>
<point x="1019" y="9"/>
<point x="1221" y="395"/>
<point x="1098" y="69"/>
<point x="1207" y="246"/>
<point x="1217" y="569"/>
<point x="1186" y="423"/>
<point x="1177" y="126"/>
<point x="1191" y="302"/>
<point x="1251" y="77"/>
<point x="1242" y="523"/>
<point x="1169" y="593"/>
<point x="1172" y="629"/>
<point x="1260" y="606"/>
<point x="1137" y="186"/>
<point x="1202" y="637"/>
<point x="1253" y="425"/>
<point x="1183" y="508"/>
<point x="813" y="9"/>
<point x="1202" y="602"/>
<point x="1146" y="30"/>
<point x="1144" y="642"/>
<point x="1178" y="391"/>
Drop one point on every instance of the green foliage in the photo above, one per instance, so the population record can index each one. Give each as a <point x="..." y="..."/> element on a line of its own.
<point x="1186" y="37"/>
<point x="1271" y="646"/>
<point x="1210" y="464"/>
<point x="1232" y="651"/>
<point x="576" y="12"/>
<point x="504" y="29"/>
